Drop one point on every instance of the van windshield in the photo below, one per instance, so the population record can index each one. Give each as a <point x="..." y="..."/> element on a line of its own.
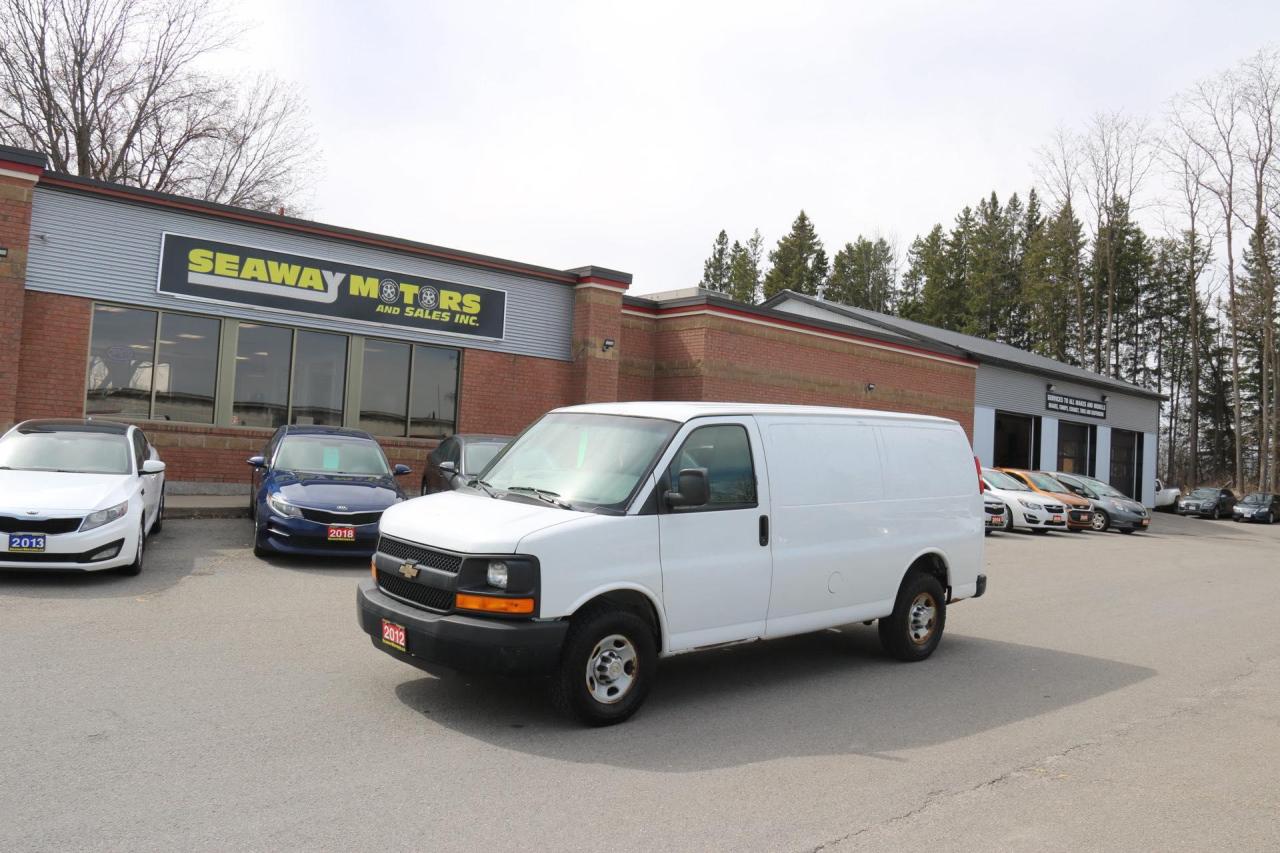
<point x="581" y="461"/>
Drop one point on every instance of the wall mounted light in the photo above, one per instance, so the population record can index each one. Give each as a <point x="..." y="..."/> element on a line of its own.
<point x="4" y="253"/>
<point x="607" y="345"/>
<point x="871" y="386"/>
<point x="1049" y="386"/>
<point x="1105" y="398"/>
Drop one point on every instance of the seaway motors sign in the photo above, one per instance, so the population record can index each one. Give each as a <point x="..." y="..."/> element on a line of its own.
<point x="196" y="268"/>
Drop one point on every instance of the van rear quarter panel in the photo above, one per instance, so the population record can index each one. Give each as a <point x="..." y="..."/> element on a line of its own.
<point x="855" y="502"/>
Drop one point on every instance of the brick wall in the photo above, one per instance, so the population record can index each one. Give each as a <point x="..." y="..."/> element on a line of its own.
<point x="53" y="356"/>
<point x="597" y="317"/>
<point x="636" y="357"/>
<point x="15" y="233"/>
<point x="503" y="393"/>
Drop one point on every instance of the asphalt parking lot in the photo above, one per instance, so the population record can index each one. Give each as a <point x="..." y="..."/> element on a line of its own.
<point x="1109" y="692"/>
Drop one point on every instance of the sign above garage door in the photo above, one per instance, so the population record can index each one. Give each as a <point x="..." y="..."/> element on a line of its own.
<point x="1056" y="402"/>
<point x="195" y="268"/>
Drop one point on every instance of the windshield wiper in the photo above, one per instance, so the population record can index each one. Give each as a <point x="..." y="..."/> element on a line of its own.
<point x="542" y="494"/>
<point x="485" y="487"/>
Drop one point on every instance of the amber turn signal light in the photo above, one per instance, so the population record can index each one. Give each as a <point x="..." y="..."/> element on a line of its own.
<point x="373" y="568"/>
<point x="493" y="604"/>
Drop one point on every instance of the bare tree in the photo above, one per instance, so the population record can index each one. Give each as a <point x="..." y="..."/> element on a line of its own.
<point x="1207" y="119"/>
<point x="115" y="90"/>
<point x="1118" y="152"/>
<point x="1058" y="168"/>
<point x="1259" y="80"/>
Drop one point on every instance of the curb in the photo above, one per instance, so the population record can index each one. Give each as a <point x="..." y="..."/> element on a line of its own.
<point x="181" y="512"/>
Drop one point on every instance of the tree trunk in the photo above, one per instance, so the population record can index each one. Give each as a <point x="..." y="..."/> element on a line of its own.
<point x="1238" y="470"/>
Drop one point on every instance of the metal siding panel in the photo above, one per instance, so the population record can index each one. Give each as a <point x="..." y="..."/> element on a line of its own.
<point x="1023" y="393"/>
<point x="110" y="250"/>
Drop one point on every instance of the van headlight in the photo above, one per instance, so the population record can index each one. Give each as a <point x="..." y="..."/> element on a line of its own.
<point x="496" y="576"/>
<point x="283" y="507"/>
<point x="104" y="516"/>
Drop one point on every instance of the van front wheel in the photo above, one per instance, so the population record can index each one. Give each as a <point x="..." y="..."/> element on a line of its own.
<point x="914" y="629"/>
<point x="607" y="665"/>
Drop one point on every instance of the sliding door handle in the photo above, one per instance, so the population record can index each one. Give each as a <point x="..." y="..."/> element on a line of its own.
<point x="764" y="530"/>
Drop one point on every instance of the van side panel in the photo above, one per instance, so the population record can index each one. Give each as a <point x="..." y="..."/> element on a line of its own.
<point x="830" y="555"/>
<point x="932" y="503"/>
<point x="855" y="502"/>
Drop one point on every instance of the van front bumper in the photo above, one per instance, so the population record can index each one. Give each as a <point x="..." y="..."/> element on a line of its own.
<point x="463" y="643"/>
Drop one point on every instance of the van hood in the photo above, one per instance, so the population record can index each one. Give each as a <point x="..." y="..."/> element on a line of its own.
<point x="54" y="492"/>
<point x="471" y="522"/>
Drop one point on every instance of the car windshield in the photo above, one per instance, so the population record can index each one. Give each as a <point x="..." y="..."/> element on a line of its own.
<point x="71" y="451"/>
<point x="585" y="461"/>
<point x="1001" y="480"/>
<point x="332" y="454"/>
<point x="480" y="453"/>
<point x="1257" y="498"/>
<point x="1044" y="481"/>
<point x="1204" y="493"/>
<point x="1105" y="489"/>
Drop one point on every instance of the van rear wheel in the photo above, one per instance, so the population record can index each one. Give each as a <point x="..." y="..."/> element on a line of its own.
<point x="914" y="629"/>
<point x="606" y="668"/>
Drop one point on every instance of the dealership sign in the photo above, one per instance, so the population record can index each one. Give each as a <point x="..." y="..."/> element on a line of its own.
<point x="1055" y="402"/>
<point x="196" y="268"/>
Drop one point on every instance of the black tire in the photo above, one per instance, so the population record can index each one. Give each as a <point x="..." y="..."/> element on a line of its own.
<point x="1106" y="521"/>
<point x="1216" y="515"/>
<point x="572" y="690"/>
<point x="1127" y="530"/>
<point x="260" y="549"/>
<point x="1008" y="519"/>
<point x="159" y="525"/>
<point x="135" y="568"/>
<point x="253" y="508"/>
<point x="900" y="633"/>
<point x="423" y="490"/>
<point x="1039" y="531"/>
<point x="987" y="532"/>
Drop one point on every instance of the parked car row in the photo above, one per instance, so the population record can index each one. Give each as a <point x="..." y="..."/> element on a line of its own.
<point x="1040" y="501"/>
<point x="1217" y="502"/>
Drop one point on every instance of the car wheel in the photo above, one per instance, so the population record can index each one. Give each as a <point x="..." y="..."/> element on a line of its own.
<point x="1040" y="531"/>
<point x="159" y="522"/>
<point x="1101" y="521"/>
<point x="253" y="508"/>
<point x="1216" y="515"/>
<point x="607" y="666"/>
<point x="1271" y="518"/>
<point x="135" y="568"/>
<point x="914" y="629"/>
<point x="1126" y="530"/>
<point x="424" y="488"/>
<point x="260" y="546"/>
<point x="1008" y="519"/>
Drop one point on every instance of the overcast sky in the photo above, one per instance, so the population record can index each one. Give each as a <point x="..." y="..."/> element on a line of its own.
<point x="628" y="135"/>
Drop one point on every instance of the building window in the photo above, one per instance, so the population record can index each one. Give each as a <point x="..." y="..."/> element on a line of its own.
<point x="408" y="390"/>
<point x="434" y="397"/>
<point x="121" y="353"/>
<point x="263" y="356"/>
<point x="186" y="368"/>
<point x="319" y="378"/>
<point x="384" y="388"/>
<point x="133" y="372"/>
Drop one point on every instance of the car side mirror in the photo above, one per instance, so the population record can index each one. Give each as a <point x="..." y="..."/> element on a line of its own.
<point x="692" y="489"/>
<point x="153" y="466"/>
<point x="256" y="461"/>
<point x="401" y="470"/>
<point x="449" y="469"/>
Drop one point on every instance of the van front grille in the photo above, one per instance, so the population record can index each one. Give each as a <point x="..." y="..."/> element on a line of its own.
<point x="430" y="597"/>
<point x="401" y="550"/>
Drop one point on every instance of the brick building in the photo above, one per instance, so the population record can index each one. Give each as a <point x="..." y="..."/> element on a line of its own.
<point x="211" y="325"/>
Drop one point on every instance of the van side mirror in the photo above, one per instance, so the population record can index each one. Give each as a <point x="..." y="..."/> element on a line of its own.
<point x="691" y="489"/>
<point x="256" y="461"/>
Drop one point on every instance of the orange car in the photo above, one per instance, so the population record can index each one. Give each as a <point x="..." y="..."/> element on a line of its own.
<point x="1079" y="510"/>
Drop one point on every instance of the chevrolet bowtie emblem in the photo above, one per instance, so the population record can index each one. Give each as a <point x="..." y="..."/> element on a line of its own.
<point x="409" y="570"/>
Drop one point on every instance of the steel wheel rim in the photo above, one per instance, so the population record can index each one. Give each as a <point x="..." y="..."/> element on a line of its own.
<point x="922" y="618"/>
<point x="612" y="668"/>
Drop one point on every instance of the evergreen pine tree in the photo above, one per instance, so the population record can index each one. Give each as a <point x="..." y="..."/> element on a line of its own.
<point x="798" y="262"/>
<point x="715" y="270"/>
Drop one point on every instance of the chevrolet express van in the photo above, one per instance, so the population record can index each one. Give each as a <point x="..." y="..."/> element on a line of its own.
<point x="605" y="537"/>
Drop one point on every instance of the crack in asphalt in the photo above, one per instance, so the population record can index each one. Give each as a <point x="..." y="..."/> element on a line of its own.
<point x="1037" y="768"/>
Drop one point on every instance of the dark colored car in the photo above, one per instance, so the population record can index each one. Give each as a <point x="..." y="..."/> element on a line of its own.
<point x="459" y="458"/>
<point x="321" y="491"/>
<point x="1111" y="507"/>
<point x="1208" y="503"/>
<point x="995" y="510"/>
<point x="1263" y="507"/>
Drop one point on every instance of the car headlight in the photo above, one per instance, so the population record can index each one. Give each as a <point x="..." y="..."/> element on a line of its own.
<point x="496" y="576"/>
<point x="104" y="516"/>
<point x="1031" y="504"/>
<point x="283" y="507"/>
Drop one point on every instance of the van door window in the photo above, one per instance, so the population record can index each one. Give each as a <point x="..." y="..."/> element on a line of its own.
<point x="725" y="451"/>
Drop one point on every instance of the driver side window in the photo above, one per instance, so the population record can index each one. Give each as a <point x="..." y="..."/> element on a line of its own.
<point x="725" y="451"/>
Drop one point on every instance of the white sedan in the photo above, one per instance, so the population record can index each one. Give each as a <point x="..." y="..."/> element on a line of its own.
<point x="78" y="494"/>
<point x="1025" y="508"/>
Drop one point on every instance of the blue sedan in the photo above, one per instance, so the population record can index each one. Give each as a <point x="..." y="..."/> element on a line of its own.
<point x="321" y="491"/>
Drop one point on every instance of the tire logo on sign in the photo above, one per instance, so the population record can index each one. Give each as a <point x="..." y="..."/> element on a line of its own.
<point x="428" y="297"/>
<point x="388" y="291"/>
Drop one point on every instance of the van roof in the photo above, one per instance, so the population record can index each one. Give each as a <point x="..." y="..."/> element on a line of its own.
<point x="683" y="411"/>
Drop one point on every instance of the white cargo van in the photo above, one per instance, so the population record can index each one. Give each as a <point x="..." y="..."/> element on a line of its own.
<point x="607" y="536"/>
